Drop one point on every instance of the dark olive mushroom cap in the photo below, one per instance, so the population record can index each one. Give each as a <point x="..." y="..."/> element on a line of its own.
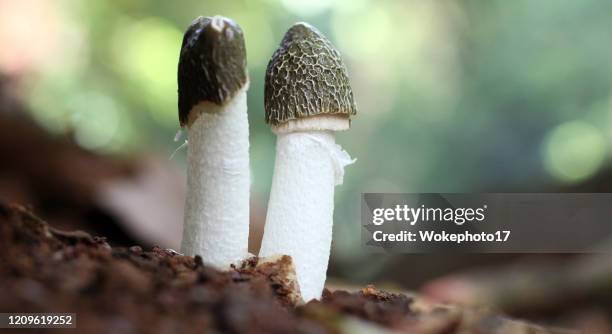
<point x="212" y="64"/>
<point x="306" y="77"/>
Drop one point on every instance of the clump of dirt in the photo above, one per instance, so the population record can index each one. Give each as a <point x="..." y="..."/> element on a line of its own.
<point x="124" y="290"/>
<point x="384" y="308"/>
<point x="128" y="289"/>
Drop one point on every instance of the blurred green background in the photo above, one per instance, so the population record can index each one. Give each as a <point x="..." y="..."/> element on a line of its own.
<point x="453" y="96"/>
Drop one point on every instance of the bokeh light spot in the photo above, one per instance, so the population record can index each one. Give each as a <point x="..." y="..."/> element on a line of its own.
<point x="370" y="38"/>
<point x="146" y="53"/>
<point x="95" y="118"/>
<point x="573" y="151"/>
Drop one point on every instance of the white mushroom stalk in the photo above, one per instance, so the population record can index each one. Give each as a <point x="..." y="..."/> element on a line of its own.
<point x="307" y="98"/>
<point x="212" y="82"/>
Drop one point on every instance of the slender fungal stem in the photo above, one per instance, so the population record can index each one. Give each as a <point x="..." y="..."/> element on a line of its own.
<point x="300" y="211"/>
<point x="218" y="176"/>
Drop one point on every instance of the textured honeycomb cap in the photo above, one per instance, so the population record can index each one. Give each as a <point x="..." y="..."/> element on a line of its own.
<point x="212" y="64"/>
<point x="306" y="77"/>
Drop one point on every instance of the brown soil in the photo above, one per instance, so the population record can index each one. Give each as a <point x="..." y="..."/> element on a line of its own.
<point x="124" y="290"/>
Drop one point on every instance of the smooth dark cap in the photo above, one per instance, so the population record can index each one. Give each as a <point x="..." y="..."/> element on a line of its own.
<point x="212" y="64"/>
<point x="306" y="77"/>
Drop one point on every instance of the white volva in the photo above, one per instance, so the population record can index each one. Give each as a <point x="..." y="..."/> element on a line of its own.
<point x="300" y="211"/>
<point x="216" y="222"/>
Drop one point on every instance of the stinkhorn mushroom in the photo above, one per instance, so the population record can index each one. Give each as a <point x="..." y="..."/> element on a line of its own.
<point x="308" y="97"/>
<point x="212" y="85"/>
